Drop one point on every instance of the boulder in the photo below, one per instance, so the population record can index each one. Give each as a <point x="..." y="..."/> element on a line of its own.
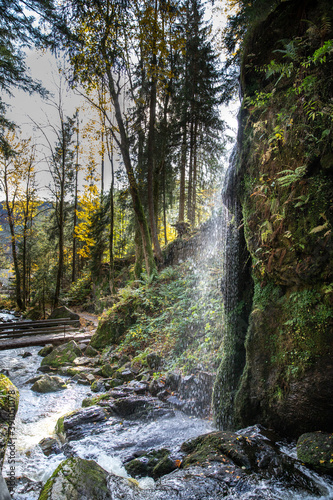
<point x="45" y="350"/>
<point x="108" y="370"/>
<point x="172" y="381"/>
<point x="156" y="386"/>
<point x="144" y="407"/>
<point x="26" y="354"/>
<point x="113" y="324"/>
<point x="49" y="446"/>
<point x="153" y="360"/>
<point x="8" y="408"/>
<point x="316" y="449"/>
<point x="90" y="351"/>
<point x="77" y="479"/>
<point x="48" y="383"/>
<point x="98" y="386"/>
<point x="62" y="355"/>
<point x="64" y="313"/>
<point x="79" y="423"/>
<point x="4" y="493"/>
<point x="155" y="464"/>
<point x="126" y="375"/>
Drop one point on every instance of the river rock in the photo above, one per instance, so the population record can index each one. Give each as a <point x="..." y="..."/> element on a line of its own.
<point x="90" y="351"/>
<point x="47" y="383"/>
<point x="4" y="493"/>
<point x="84" y="361"/>
<point x="316" y="449"/>
<point x="126" y="375"/>
<point x="26" y="354"/>
<point x="8" y="408"/>
<point x="62" y="355"/>
<point x="45" y="350"/>
<point x="156" y="386"/>
<point x="140" y="407"/>
<point x="79" y="423"/>
<point x="155" y="464"/>
<point x="98" y="386"/>
<point x="172" y="381"/>
<point x="108" y="370"/>
<point x="77" y="479"/>
<point x="49" y="446"/>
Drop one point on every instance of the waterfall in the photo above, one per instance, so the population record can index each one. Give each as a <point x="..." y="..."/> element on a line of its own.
<point x="237" y="298"/>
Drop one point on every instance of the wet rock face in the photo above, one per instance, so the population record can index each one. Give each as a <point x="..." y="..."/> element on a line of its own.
<point x="154" y="464"/>
<point x="79" y="423"/>
<point x="286" y="189"/>
<point x="45" y="350"/>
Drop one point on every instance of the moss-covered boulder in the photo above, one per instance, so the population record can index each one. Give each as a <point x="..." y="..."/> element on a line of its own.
<point x="113" y="324"/>
<point x="64" y="313"/>
<point x="77" y="479"/>
<point x="316" y="449"/>
<point x="90" y="352"/>
<point x="155" y="464"/>
<point x="9" y="401"/>
<point x="92" y="401"/>
<point x="79" y="423"/>
<point x="44" y="351"/>
<point x="108" y="370"/>
<point x="62" y="355"/>
<point x="48" y="383"/>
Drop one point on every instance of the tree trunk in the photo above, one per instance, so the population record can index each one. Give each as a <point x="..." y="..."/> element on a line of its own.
<point x="181" y="215"/>
<point x="195" y="175"/>
<point x="151" y="160"/>
<point x="190" y="176"/>
<point x="75" y="203"/>
<point x="137" y="205"/>
<point x="111" y="235"/>
<point x="18" y="295"/>
<point x="61" y="221"/>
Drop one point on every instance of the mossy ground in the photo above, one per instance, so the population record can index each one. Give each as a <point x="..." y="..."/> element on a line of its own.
<point x="179" y="315"/>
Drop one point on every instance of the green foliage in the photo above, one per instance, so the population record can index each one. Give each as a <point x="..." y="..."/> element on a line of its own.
<point x="288" y="176"/>
<point x="80" y="290"/>
<point x="306" y="111"/>
<point x="178" y="315"/>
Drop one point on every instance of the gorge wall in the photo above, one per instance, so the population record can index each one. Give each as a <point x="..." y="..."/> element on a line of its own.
<point x="284" y="183"/>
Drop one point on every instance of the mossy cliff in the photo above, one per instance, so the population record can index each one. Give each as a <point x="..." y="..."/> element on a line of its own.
<point x="285" y="186"/>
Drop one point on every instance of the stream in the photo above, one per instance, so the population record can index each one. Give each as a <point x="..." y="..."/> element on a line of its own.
<point x="113" y="441"/>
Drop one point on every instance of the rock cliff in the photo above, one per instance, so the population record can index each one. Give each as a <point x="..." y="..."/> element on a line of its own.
<point x="284" y="177"/>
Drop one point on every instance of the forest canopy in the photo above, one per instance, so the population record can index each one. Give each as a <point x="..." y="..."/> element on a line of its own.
<point x="152" y="78"/>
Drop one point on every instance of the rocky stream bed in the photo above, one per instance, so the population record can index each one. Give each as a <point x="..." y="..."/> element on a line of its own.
<point x="92" y="426"/>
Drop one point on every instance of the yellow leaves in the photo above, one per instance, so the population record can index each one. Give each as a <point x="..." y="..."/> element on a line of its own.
<point x="89" y="203"/>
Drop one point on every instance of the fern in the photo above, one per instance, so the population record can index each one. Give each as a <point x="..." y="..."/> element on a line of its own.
<point x="291" y="176"/>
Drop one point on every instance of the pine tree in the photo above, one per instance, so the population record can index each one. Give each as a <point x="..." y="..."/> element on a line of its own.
<point x="18" y="30"/>
<point x="198" y="96"/>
